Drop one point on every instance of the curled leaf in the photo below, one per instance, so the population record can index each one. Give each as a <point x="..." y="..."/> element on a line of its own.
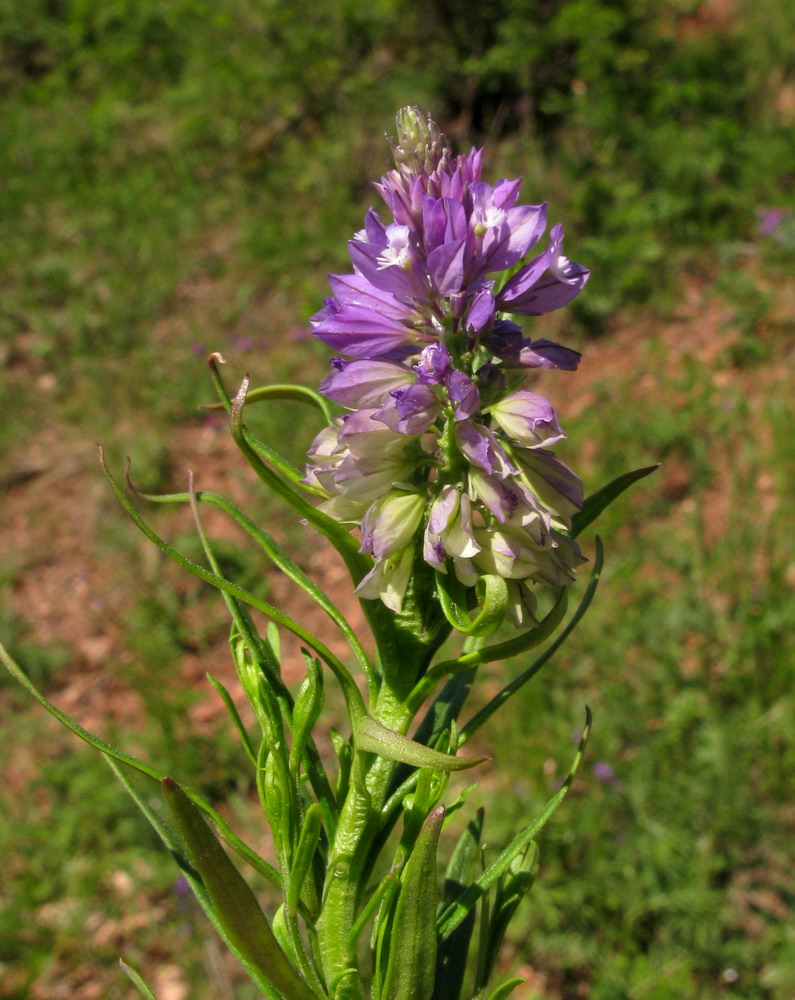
<point x="492" y="597"/>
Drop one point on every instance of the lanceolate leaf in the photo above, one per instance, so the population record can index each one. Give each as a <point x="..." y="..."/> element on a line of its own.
<point x="233" y="901"/>
<point x="597" y="502"/>
<point x="172" y="842"/>
<point x="412" y="957"/>
<point x="371" y="736"/>
<point x="505" y="989"/>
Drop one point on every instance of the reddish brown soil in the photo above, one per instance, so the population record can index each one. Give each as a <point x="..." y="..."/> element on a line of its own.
<point x="71" y="592"/>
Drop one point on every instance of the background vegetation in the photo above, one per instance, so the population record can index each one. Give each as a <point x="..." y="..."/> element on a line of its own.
<point x="178" y="176"/>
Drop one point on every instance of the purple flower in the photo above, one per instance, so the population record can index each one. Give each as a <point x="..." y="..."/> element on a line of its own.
<point x="463" y="394"/>
<point x="411" y="409"/>
<point x="441" y="443"/>
<point x="603" y="772"/>
<point x="532" y="291"/>
<point x="528" y="419"/>
<point x="364" y="384"/>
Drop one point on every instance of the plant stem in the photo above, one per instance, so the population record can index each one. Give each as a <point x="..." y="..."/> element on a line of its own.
<point x="359" y="823"/>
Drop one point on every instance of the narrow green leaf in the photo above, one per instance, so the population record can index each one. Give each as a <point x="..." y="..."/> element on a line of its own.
<point x="373" y="737"/>
<point x="307" y="708"/>
<point x="298" y="393"/>
<point x="488" y="654"/>
<point x="234" y="903"/>
<point x="272" y="549"/>
<point x="411" y="969"/>
<point x="597" y="502"/>
<point x="137" y="981"/>
<point x="456" y="912"/>
<point x="237" y="722"/>
<point x="302" y="856"/>
<point x="505" y="989"/>
<point x="226" y="833"/>
<point x="370" y="907"/>
<point x="451" y="958"/>
<point x="350" y="691"/>
<point x="512" y="887"/>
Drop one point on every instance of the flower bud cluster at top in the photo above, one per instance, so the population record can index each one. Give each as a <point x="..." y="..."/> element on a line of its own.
<point x="442" y="449"/>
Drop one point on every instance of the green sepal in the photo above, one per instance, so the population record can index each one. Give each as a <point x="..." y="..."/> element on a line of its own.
<point x="597" y="502"/>
<point x="234" y="903"/>
<point x="452" y="916"/>
<point x="307" y="708"/>
<point x="143" y="988"/>
<point x="492" y="603"/>
<point x="411" y="967"/>
<point x="452" y="953"/>
<point x="303" y="856"/>
<point x="373" y="737"/>
<point x="505" y="989"/>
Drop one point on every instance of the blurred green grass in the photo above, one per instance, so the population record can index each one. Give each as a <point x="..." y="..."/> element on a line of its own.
<point x="178" y="176"/>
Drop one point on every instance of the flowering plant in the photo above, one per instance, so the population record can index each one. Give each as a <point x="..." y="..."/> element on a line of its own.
<point x="439" y="489"/>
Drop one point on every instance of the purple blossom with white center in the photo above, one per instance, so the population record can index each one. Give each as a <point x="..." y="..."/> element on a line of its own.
<point x="433" y="365"/>
<point x="436" y="444"/>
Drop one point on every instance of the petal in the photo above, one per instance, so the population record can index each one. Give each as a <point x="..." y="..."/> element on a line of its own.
<point x="364" y="384"/>
<point x="361" y="332"/>
<point x="446" y="267"/>
<point x="411" y="409"/>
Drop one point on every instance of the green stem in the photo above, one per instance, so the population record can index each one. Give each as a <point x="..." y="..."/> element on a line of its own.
<point x="348" y="869"/>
